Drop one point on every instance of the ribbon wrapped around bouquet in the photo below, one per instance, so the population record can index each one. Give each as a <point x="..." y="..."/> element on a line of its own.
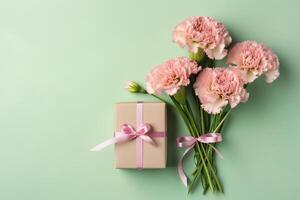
<point x="189" y="142"/>
<point x="143" y="133"/>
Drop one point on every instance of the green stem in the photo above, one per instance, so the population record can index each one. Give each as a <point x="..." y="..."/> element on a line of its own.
<point x="212" y="169"/>
<point x="196" y="176"/>
<point x="202" y="121"/>
<point x="181" y="112"/>
<point x="186" y="108"/>
<point x="161" y="99"/>
<point x="222" y="121"/>
<point x="212" y="122"/>
<point x="217" y="129"/>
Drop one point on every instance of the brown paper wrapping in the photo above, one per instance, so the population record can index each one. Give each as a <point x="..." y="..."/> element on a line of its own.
<point x="154" y="156"/>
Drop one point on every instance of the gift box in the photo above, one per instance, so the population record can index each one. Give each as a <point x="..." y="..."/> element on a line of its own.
<point x="146" y="121"/>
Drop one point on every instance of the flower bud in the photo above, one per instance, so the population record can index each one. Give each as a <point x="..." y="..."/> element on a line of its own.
<point x="134" y="87"/>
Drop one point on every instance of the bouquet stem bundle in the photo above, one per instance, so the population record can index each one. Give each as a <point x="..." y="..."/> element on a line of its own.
<point x="204" y="154"/>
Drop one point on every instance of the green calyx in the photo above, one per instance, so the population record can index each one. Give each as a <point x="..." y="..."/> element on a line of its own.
<point x="198" y="56"/>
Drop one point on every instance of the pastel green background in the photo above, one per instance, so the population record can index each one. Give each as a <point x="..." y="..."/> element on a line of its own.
<point x="63" y="64"/>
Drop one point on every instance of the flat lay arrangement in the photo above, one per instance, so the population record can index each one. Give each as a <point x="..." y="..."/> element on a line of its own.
<point x="203" y="88"/>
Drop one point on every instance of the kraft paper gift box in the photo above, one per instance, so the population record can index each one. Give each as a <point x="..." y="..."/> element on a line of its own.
<point x="138" y="153"/>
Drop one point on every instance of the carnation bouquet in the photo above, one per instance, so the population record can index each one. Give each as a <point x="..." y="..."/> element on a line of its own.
<point x="204" y="94"/>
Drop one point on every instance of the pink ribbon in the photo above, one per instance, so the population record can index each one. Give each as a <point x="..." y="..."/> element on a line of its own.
<point x="126" y="134"/>
<point x="189" y="142"/>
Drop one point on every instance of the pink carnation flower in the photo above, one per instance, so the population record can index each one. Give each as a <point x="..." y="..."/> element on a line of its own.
<point x="252" y="60"/>
<point x="272" y="69"/>
<point x="171" y="75"/>
<point x="205" y="33"/>
<point x="217" y="87"/>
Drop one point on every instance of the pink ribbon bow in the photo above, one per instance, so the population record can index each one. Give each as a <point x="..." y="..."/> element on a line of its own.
<point x="189" y="142"/>
<point x="126" y="134"/>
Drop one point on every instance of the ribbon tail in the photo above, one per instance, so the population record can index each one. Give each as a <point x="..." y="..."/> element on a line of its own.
<point x="217" y="151"/>
<point x="116" y="139"/>
<point x="181" y="171"/>
<point x="104" y="144"/>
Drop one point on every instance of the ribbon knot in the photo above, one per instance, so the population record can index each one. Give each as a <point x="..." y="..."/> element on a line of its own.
<point x="129" y="133"/>
<point x="126" y="134"/>
<point x="189" y="142"/>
